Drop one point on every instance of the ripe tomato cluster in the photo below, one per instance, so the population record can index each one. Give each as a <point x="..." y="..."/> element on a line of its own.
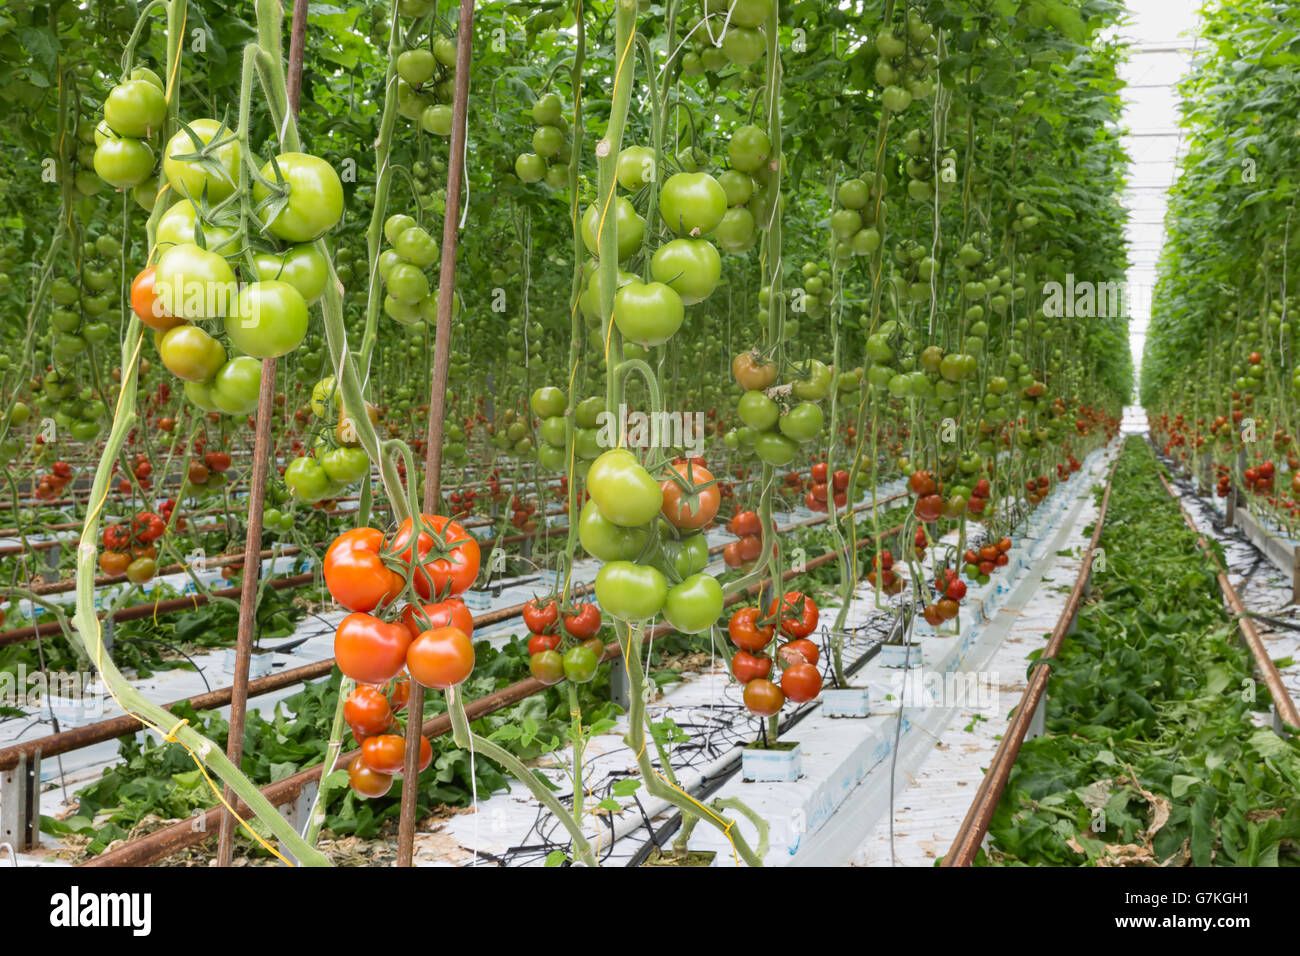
<point x="365" y="572"/>
<point x="51" y="485"/>
<point x="371" y="712"/>
<point x="549" y="660"/>
<point x="949" y="592"/>
<point x="979" y="564"/>
<point x="882" y="573"/>
<point x="822" y="491"/>
<point x="744" y="551"/>
<point x="1036" y="489"/>
<point x="752" y="632"/>
<point x="130" y="549"/>
<point x="1259" y="479"/>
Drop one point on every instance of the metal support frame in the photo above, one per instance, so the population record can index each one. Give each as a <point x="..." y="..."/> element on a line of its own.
<point x="20" y="803"/>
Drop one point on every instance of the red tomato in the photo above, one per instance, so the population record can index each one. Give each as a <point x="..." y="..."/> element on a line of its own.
<point x="450" y="565"/>
<point x="541" y="618"/>
<point x="584" y="622"/>
<point x="217" y="461"/>
<point x="745" y="523"/>
<point x="798" y="614"/>
<point x="369" y="650"/>
<point x="690" y="509"/>
<point x="440" y="658"/>
<point x="367" y="710"/>
<point x="537" y="643"/>
<point x="801" y="682"/>
<point x="799" y="650"/>
<point x="366" y="782"/>
<point x="449" y="613"/>
<point x="746" y="666"/>
<point x="355" y="573"/>
<point x="745" y="631"/>
<point x="762" y="697"/>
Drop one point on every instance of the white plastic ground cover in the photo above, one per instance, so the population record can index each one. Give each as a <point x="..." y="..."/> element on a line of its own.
<point x="510" y="828"/>
<point x="933" y="795"/>
<point x="313" y="640"/>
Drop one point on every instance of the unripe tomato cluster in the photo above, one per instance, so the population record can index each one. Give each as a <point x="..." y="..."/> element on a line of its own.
<point x="339" y="460"/>
<point x="731" y="32"/>
<point x="552" y="148"/>
<point x="410" y="299"/>
<point x="907" y="63"/>
<point x="549" y="404"/>
<point x="776" y="421"/>
<point x="425" y="86"/>
<point x="650" y="533"/>
<point x="134" y="114"/>
<point x="753" y="633"/>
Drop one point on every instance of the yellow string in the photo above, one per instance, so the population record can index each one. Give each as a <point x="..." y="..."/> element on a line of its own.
<point x="92" y="516"/>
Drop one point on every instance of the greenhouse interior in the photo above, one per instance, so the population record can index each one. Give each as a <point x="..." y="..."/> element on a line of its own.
<point x="681" y="433"/>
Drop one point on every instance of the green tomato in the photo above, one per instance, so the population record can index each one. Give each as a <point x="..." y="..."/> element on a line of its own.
<point x="853" y="193"/>
<point x="587" y="414"/>
<point x="547" y="402"/>
<point x="803" y="422"/>
<point x="201" y="395"/>
<point x="818" y="383"/>
<point x="416" y="246"/>
<point x="688" y="555"/>
<point x="530" y="167"/>
<point x="437" y="119"/>
<point x="307" y="480"/>
<point x="416" y="66"/>
<point x="551" y="458"/>
<point x="190" y="353"/>
<point x="694" y="605"/>
<point x="630" y="592"/>
<point x="738" y="186"/>
<point x="188" y="178"/>
<point x="407" y="284"/>
<point x="315" y="197"/>
<point x="758" y="411"/>
<point x="194" y="283"/>
<point x="177" y="226"/>
<point x="269" y="319"/>
<point x="580" y="664"/>
<point x="395" y="225"/>
<point x="690" y="267"/>
<point x="235" y="388"/>
<point x="345" y="466"/>
<point x="84" y="431"/>
<point x="648" y="312"/>
<point x="627" y="222"/>
<point x="603" y="539"/>
<point x="302" y="266"/>
<point x="586" y="443"/>
<point x="552" y="430"/>
<point x="135" y="108"/>
<point x="323" y="394"/>
<point x="775" y="449"/>
<point x="548" y="110"/>
<point x="737" y="232"/>
<point x="692" y="204"/>
<point x="625" y="492"/>
<point x="636" y="167"/>
<point x="749" y="148"/>
<point x="123" y="163"/>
